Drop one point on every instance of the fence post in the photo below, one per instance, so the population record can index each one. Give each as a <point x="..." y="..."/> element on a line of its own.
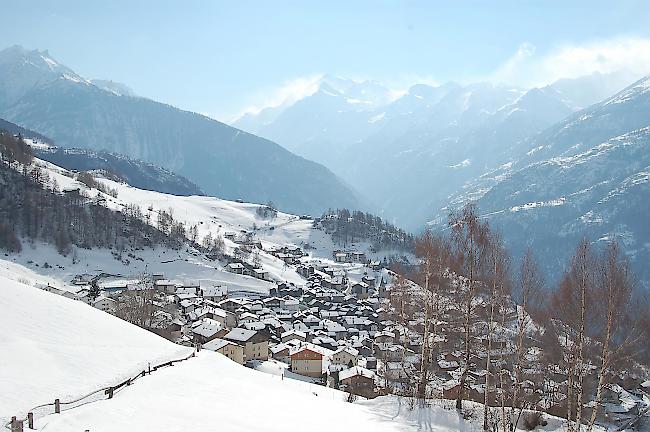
<point x="57" y="406"/>
<point x="16" y="425"/>
<point x="30" y="420"/>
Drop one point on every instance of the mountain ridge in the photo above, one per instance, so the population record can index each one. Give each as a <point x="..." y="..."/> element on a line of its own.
<point x="222" y="160"/>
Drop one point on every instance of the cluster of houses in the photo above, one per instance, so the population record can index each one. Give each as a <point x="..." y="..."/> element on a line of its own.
<point x="290" y="254"/>
<point x="316" y="331"/>
<point x="329" y="330"/>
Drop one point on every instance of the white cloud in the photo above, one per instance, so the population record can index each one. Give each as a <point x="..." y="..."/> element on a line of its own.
<point x="528" y="68"/>
<point x="287" y="93"/>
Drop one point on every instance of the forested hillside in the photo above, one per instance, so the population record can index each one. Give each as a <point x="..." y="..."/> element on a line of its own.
<point x="34" y="208"/>
<point x="137" y="173"/>
<point x="348" y="227"/>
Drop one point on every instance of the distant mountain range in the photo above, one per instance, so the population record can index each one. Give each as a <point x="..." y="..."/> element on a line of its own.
<point x="39" y="93"/>
<point x="588" y="175"/>
<point x="406" y="155"/>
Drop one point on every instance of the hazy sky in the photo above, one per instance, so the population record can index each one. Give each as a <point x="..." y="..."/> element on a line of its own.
<point x="221" y="58"/>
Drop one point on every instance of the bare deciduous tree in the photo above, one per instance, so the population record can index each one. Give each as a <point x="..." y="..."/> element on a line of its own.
<point x="469" y="239"/>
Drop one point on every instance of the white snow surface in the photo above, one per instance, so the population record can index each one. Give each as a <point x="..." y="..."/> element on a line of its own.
<point x="211" y="393"/>
<point x="53" y="347"/>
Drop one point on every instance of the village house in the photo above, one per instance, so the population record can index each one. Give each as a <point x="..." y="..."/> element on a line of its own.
<point x="358" y="380"/>
<point x="165" y="285"/>
<point x="214" y="293"/>
<point x="345" y="356"/>
<point x="230" y="349"/>
<point x="105" y="304"/>
<point x="293" y="334"/>
<point x="306" y="361"/>
<point x="260" y="274"/>
<point x="358" y="256"/>
<point x="206" y="330"/>
<point x="237" y="268"/>
<point x="341" y="257"/>
<point x="360" y="290"/>
<point x="281" y="352"/>
<point x="255" y="343"/>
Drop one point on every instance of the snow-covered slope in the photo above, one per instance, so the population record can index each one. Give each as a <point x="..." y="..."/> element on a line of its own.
<point x="135" y="172"/>
<point x="53" y="347"/>
<point x="212" y="216"/>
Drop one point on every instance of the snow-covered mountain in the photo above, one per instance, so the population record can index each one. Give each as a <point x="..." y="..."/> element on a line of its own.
<point x="325" y="124"/>
<point x="589" y="175"/>
<point x="408" y="154"/>
<point x="39" y="93"/>
<point x="411" y="168"/>
<point x="115" y="87"/>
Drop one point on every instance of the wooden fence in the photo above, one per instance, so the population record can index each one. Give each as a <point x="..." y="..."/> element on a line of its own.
<point x="17" y="424"/>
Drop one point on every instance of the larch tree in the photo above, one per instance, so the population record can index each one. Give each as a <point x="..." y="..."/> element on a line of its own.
<point x="469" y="237"/>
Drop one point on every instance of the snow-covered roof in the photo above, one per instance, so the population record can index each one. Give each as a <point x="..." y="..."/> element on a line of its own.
<point x="348" y="350"/>
<point x="217" y="344"/>
<point x="240" y="334"/>
<point x="207" y="327"/>
<point x="214" y="291"/>
<point x="296" y="333"/>
<point x="356" y="371"/>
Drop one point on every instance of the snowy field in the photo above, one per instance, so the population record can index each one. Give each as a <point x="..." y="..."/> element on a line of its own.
<point x="181" y="265"/>
<point x="53" y="347"/>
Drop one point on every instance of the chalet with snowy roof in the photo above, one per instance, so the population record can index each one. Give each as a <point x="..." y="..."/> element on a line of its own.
<point x="291" y="304"/>
<point x="231" y="305"/>
<point x="187" y="306"/>
<point x="360" y="290"/>
<point x="281" y="352"/>
<point x="341" y="257"/>
<point x="247" y="317"/>
<point x="260" y="273"/>
<point x="114" y="285"/>
<point x="368" y="279"/>
<point x="293" y="334"/>
<point x="206" y="330"/>
<point x="104" y="304"/>
<point x="358" y="380"/>
<point x="345" y="356"/>
<point x="307" y="361"/>
<point x="230" y="349"/>
<point x="237" y="268"/>
<point x="165" y="285"/>
<point x="255" y="343"/>
<point x="358" y="256"/>
<point x="214" y="293"/>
